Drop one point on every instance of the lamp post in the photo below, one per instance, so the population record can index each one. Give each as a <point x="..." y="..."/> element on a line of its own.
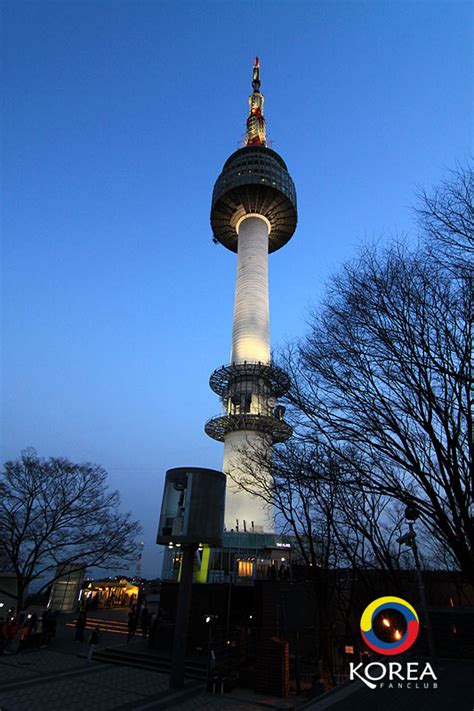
<point x="182" y="618"/>
<point x="211" y="657"/>
<point x="409" y="539"/>
<point x="192" y="515"/>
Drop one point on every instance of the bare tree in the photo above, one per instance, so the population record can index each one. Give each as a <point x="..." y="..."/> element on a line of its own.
<point x="446" y="217"/>
<point x="385" y="373"/>
<point x="54" y="513"/>
<point x="340" y="530"/>
<point x="380" y="405"/>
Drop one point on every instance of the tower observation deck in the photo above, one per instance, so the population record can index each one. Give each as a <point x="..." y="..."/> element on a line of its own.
<point x="253" y="213"/>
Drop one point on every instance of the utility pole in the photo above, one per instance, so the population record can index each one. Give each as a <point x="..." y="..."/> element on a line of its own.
<point x="182" y="617"/>
<point x="409" y="539"/>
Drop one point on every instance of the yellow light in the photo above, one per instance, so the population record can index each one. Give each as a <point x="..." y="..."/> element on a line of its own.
<point x="245" y="569"/>
<point x="398" y="634"/>
<point x="386" y="622"/>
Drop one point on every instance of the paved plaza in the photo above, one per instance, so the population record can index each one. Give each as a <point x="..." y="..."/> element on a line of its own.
<point x="57" y="681"/>
<point x="59" y="678"/>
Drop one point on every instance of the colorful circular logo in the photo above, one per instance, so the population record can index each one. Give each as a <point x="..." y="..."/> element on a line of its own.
<point x="401" y="641"/>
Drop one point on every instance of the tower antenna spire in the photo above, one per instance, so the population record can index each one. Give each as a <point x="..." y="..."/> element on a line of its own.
<point x="256" y="130"/>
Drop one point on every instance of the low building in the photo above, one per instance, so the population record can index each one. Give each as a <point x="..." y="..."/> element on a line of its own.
<point x="243" y="558"/>
<point x="109" y="592"/>
<point x="66" y="589"/>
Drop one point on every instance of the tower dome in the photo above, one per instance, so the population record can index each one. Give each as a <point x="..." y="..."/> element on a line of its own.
<point x="254" y="180"/>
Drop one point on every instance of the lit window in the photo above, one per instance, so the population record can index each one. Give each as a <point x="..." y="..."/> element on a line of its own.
<point x="245" y="569"/>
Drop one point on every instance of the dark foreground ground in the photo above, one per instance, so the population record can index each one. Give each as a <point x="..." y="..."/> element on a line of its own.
<point x="59" y="679"/>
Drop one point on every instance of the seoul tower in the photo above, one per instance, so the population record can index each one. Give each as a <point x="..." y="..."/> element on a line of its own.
<point x="253" y="213"/>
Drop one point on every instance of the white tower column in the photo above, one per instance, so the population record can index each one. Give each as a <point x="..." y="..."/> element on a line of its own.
<point x="251" y="512"/>
<point x="251" y="343"/>
<point x="251" y="327"/>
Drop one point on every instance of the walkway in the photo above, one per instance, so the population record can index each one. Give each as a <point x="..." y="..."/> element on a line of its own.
<point x="59" y="679"/>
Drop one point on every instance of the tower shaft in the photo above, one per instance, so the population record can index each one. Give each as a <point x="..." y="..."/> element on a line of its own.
<point x="247" y="459"/>
<point x="244" y="450"/>
<point x="251" y="327"/>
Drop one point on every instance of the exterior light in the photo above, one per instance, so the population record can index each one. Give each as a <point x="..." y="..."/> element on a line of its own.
<point x="411" y="513"/>
<point x="386" y="622"/>
<point x="208" y="619"/>
<point x="397" y="634"/>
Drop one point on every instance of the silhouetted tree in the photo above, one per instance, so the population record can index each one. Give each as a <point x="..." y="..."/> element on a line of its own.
<point x="446" y="218"/>
<point x="54" y="513"/>
<point x="340" y="530"/>
<point x="385" y="372"/>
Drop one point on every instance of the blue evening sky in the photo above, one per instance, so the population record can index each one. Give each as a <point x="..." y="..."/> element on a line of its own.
<point x="118" y="117"/>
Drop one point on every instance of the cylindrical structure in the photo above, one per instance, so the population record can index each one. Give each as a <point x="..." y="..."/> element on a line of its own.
<point x="192" y="508"/>
<point x="251" y="329"/>
<point x="247" y="459"/>
<point x="250" y="343"/>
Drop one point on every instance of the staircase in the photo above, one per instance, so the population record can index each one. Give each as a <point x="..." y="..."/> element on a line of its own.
<point x="127" y="656"/>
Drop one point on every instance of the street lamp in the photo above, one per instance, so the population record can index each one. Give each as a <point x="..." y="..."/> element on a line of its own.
<point x="409" y="539"/>
<point x="211" y="657"/>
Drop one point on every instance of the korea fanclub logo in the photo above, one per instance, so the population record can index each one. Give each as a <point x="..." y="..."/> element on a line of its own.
<point x="390" y="626"/>
<point x="401" y="642"/>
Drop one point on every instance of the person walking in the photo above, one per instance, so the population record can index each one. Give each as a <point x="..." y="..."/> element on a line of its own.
<point x="3" y="638"/>
<point x="153" y="622"/>
<point x="144" y="620"/>
<point x="132" y="624"/>
<point x="23" y="637"/>
<point x="53" y="623"/>
<point x="46" y="619"/>
<point x="32" y="624"/>
<point x="10" y="629"/>
<point x="94" y="640"/>
<point x="81" y="623"/>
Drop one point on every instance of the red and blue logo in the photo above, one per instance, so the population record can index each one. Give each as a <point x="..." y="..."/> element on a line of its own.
<point x="389" y="625"/>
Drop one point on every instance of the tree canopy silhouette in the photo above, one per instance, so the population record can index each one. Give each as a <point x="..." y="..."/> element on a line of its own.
<point x="54" y="513"/>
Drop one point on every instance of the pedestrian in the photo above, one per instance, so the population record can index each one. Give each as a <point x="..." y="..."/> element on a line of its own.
<point x="23" y="637"/>
<point x="144" y="620"/>
<point x="81" y="623"/>
<point x="49" y="623"/>
<point x="2" y="635"/>
<point x="153" y="624"/>
<point x="54" y="620"/>
<point x="32" y="623"/>
<point x="94" y="640"/>
<point x="132" y="624"/>
<point x="10" y="629"/>
<point x="21" y="617"/>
